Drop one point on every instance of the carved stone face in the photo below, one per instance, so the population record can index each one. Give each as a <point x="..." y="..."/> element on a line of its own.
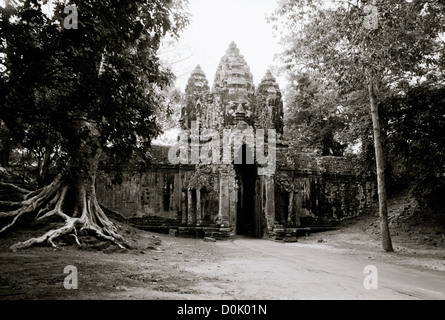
<point x="233" y="97"/>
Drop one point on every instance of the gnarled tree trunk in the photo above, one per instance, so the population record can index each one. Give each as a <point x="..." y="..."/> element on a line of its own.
<point x="78" y="180"/>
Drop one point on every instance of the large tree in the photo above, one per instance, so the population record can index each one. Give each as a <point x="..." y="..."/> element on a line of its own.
<point x="414" y="120"/>
<point x="364" y="45"/>
<point x="315" y="117"/>
<point x="95" y="85"/>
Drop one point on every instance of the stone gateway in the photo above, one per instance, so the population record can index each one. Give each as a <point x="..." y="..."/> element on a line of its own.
<point x="237" y="195"/>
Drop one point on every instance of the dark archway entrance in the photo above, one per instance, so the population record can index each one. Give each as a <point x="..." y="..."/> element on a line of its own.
<point x="247" y="222"/>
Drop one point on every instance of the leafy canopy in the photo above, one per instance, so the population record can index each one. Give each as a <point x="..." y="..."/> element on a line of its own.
<point x="100" y="83"/>
<point x="335" y="38"/>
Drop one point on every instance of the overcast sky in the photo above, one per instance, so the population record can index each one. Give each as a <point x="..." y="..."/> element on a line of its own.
<point x="216" y="23"/>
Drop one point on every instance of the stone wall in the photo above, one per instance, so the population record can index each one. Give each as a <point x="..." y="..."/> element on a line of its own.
<point x="152" y="194"/>
<point x="316" y="193"/>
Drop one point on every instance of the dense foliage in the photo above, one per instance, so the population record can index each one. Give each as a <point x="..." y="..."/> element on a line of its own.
<point x="415" y="142"/>
<point x="100" y="83"/>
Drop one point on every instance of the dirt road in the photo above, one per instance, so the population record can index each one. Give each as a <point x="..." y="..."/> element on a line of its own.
<point x="270" y="270"/>
<point x="321" y="266"/>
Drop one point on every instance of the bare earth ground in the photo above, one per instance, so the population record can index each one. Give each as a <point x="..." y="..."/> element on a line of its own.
<point x="161" y="267"/>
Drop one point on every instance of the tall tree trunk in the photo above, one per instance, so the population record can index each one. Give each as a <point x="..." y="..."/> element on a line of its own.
<point x="5" y="154"/>
<point x="44" y="164"/>
<point x="383" y="205"/>
<point x="6" y="145"/>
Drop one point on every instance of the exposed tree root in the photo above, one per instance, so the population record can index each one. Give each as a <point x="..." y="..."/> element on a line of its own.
<point x="29" y="204"/>
<point x="14" y="187"/>
<point x="48" y="202"/>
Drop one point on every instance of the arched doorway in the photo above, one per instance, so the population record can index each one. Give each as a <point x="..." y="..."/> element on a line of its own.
<point x="247" y="222"/>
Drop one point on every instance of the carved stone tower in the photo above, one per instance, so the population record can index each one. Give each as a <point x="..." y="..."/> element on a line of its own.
<point x="233" y="97"/>
<point x="197" y="93"/>
<point x="233" y="83"/>
<point x="269" y="105"/>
